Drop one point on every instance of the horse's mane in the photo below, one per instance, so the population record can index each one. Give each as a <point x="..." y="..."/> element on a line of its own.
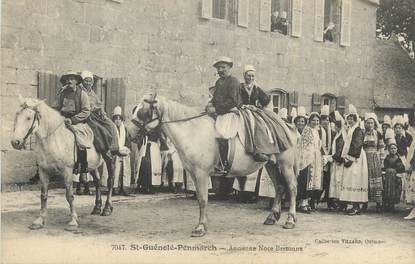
<point x="44" y="109"/>
<point x="175" y="110"/>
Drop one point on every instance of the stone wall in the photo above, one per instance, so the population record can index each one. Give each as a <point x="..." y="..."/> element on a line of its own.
<point x="165" y="45"/>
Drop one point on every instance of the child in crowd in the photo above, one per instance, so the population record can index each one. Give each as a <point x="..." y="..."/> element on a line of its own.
<point x="392" y="182"/>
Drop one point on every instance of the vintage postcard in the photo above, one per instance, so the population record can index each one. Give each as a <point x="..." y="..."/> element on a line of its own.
<point x="207" y="131"/>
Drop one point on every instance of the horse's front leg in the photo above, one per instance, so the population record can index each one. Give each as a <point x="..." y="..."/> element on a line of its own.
<point x="275" y="214"/>
<point x="110" y="162"/>
<point x="98" y="201"/>
<point x="68" y="178"/>
<point x="201" y="180"/>
<point x="291" y="181"/>
<point x="41" y="220"/>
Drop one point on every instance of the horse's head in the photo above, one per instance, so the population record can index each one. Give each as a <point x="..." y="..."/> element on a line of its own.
<point x="26" y="121"/>
<point x="146" y="116"/>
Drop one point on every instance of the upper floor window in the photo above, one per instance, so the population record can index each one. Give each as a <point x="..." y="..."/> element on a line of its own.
<point x="279" y="16"/>
<point x="331" y="20"/>
<point x="219" y="9"/>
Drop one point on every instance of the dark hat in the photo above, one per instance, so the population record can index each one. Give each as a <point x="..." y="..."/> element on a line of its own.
<point x="65" y="77"/>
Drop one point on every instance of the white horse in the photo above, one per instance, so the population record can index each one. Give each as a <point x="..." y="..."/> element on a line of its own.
<point x="55" y="150"/>
<point x="195" y="141"/>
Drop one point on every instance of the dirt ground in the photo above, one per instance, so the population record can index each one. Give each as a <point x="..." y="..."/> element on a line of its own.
<point x="156" y="229"/>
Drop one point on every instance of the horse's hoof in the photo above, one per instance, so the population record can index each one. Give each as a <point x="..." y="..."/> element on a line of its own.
<point x="106" y="212"/>
<point x="71" y="228"/>
<point x="198" y="233"/>
<point x="96" y="211"/>
<point x="269" y="221"/>
<point x="36" y="226"/>
<point x="288" y="225"/>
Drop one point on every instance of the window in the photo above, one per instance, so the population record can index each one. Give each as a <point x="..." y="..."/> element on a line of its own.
<point x="330" y="100"/>
<point x="279" y="99"/>
<point x="331" y="20"/>
<point x="219" y="9"/>
<point x="280" y="16"/>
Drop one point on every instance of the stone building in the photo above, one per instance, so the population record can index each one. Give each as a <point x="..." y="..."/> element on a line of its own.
<point x="169" y="45"/>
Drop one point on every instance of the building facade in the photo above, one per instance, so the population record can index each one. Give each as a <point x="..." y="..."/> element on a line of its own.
<point x="169" y="45"/>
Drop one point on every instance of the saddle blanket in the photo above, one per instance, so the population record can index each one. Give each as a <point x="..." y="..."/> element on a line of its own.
<point x="260" y="131"/>
<point x="83" y="135"/>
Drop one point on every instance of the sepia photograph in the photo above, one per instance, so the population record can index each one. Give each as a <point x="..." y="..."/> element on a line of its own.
<point x="207" y="131"/>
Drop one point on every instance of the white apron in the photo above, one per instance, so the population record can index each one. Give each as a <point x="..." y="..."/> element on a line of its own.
<point x="155" y="157"/>
<point x="190" y="186"/>
<point x="266" y="186"/>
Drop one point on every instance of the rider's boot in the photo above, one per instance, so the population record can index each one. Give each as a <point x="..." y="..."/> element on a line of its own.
<point x="222" y="168"/>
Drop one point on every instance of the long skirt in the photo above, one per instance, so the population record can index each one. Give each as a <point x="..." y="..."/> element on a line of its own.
<point x="354" y="187"/>
<point x="302" y="185"/>
<point x="410" y="189"/>
<point x="190" y="186"/>
<point x="336" y="178"/>
<point x="392" y="187"/>
<point x="375" y="177"/>
<point x="122" y="172"/>
<point x="149" y="166"/>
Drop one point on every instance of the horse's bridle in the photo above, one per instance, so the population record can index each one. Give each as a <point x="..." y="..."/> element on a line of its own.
<point x="159" y="116"/>
<point x="36" y="117"/>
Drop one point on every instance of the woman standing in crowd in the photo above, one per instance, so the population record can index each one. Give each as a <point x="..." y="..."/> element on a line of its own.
<point x="393" y="184"/>
<point x="311" y="161"/>
<point x="337" y="163"/>
<point x="374" y="146"/>
<point x="300" y="121"/>
<point x="410" y="190"/>
<point x="327" y="143"/>
<point x="149" y="159"/>
<point x="354" y="188"/>
<point x="403" y="140"/>
<point x="122" y="172"/>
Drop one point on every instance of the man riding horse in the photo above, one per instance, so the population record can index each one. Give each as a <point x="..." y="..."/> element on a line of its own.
<point x="225" y="102"/>
<point x="85" y="118"/>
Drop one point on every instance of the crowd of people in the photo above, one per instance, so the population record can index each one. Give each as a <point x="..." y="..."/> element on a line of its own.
<point x="346" y="160"/>
<point x="354" y="160"/>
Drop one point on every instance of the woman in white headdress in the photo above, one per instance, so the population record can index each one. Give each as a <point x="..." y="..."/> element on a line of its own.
<point x="374" y="147"/>
<point x="337" y="162"/>
<point x="311" y="159"/>
<point x="122" y="172"/>
<point x="354" y="188"/>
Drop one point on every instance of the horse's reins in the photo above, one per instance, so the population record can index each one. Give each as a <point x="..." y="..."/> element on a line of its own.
<point x="159" y="117"/>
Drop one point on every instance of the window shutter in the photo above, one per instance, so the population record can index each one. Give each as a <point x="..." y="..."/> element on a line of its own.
<point x="265" y="15"/>
<point x="318" y="20"/>
<point x="316" y="103"/>
<point x="207" y="6"/>
<point x="292" y="101"/>
<point x="297" y="13"/>
<point x="341" y="104"/>
<point x="346" y="23"/>
<point x="49" y="87"/>
<point x="243" y="13"/>
<point x="115" y="94"/>
<point x="99" y="89"/>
